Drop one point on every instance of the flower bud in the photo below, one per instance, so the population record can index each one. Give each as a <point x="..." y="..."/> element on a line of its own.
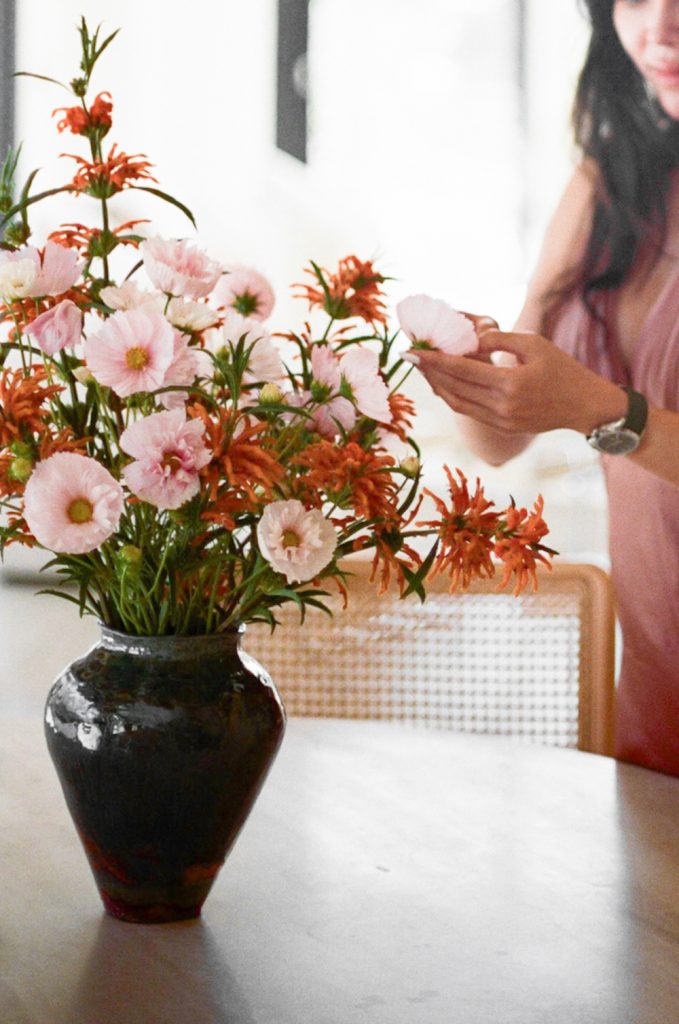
<point x="130" y="554"/>
<point x="410" y="466"/>
<point x="270" y="394"/>
<point x="20" y="469"/>
<point x="83" y="375"/>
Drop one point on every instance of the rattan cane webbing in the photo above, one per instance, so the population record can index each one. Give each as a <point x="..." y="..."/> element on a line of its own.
<point x="480" y="662"/>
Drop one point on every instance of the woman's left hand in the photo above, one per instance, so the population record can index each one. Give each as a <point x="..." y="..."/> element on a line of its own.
<point x="546" y="390"/>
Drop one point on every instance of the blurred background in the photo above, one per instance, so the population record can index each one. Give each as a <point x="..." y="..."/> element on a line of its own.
<point x="432" y="136"/>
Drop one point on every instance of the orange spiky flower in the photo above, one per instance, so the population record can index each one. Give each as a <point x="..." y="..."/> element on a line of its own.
<point x="354" y="290"/>
<point x="80" y="121"/>
<point x="90" y="241"/>
<point x="349" y="476"/>
<point x="118" y="171"/>
<point x="466" y="532"/>
<point x="520" y="548"/>
<point x="22" y="404"/>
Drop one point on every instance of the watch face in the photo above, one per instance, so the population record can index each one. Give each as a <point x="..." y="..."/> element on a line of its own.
<point x="616" y="441"/>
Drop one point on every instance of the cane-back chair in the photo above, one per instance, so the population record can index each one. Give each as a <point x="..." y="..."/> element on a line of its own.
<point x="539" y="667"/>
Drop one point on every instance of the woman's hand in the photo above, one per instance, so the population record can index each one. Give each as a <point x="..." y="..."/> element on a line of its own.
<point x="546" y="390"/>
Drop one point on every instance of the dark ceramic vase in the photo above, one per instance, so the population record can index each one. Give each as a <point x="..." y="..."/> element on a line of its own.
<point x="161" y="745"/>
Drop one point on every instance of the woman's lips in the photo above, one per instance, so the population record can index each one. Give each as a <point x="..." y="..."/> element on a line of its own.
<point x="665" y="75"/>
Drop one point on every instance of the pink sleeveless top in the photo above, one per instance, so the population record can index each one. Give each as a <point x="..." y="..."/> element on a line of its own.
<point x="644" y="533"/>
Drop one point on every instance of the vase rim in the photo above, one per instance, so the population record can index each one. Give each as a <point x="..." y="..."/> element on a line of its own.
<point x="114" y="639"/>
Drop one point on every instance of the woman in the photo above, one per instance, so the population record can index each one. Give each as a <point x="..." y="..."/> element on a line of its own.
<point x="602" y="314"/>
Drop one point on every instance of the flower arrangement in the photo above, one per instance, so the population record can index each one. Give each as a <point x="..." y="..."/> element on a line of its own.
<point x="188" y="469"/>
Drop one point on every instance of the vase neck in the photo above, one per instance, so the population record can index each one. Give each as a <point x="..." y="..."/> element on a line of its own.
<point x="171" y="646"/>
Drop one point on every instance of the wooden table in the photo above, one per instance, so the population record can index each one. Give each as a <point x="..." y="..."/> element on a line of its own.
<point x="385" y="876"/>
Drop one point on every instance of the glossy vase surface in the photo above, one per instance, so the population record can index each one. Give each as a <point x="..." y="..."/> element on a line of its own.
<point x="161" y="745"/>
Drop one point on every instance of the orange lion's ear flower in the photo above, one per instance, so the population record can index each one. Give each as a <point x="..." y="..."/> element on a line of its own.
<point x="353" y="290"/>
<point x="102" y="180"/>
<point x="520" y="548"/>
<point x="23" y="400"/>
<point x="81" y="121"/>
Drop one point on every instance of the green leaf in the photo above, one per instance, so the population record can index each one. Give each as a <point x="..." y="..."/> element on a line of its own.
<point x="167" y="198"/>
<point x="416" y="579"/>
<point x="20" y="206"/>
<point x="43" y="78"/>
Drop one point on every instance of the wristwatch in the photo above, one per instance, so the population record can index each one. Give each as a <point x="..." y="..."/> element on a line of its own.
<point x="622" y="436"/>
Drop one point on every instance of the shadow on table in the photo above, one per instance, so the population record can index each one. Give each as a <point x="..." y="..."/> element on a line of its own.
<point x="167" y="974"/>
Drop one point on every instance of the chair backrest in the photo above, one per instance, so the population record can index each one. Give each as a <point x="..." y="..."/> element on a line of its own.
<point x="539" y="666"/>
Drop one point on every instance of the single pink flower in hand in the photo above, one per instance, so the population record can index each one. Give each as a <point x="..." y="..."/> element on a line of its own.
<point x="168" y="451"/>
<point x="297" y="542"/>
<point x="178" y="268"/>
<point x="132" y="352"/>
<point x="360" y="370"/>
<point x="432" y="323"/>
<point x="72" y="504"/>
<point x="245" y="290"/>
<point x="58" y="328"/>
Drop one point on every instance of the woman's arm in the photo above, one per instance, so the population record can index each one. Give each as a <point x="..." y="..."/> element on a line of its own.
<point x="563" y="245"/>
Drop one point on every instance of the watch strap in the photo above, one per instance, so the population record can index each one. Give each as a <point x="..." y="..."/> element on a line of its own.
<point x="637" y="411"/>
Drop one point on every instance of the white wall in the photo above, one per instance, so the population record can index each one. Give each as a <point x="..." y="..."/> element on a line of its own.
<point x="415" y="158"/>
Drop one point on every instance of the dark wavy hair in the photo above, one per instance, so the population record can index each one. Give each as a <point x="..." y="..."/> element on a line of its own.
<point x="634" y="146"/>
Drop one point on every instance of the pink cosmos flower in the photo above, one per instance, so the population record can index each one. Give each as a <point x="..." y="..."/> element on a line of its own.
<point x="17" y="275"/>
<point x="59" y="270"/>
<point x="58" y="328"/>
<point x="245" y="290"/>
<point x="432" y="323"/>
<point x="168" y="451"/>
<point x="264" y="360"/>
<point x="132" y="352"/>
<point x="297" y="542"/>
<point x="187" y="364"/>
<point x="191" y="316"/>
<point x="360" y="370"/>
<point x="336" y="412"/>
<point x="54" y="272"/>
<point x="72" y="504"/>
<point x="178" y="268"/>
<point x="130" y="296"/>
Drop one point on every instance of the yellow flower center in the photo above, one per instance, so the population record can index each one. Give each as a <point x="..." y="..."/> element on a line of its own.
<point x="80" y="511"/>
<point x="290" y="539"/>
<point x="136" y="358"/>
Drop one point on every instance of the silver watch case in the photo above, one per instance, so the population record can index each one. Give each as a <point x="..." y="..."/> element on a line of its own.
<point x="614" y="438"/>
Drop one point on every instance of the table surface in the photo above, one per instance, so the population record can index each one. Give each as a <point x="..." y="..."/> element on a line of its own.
<point x="385" y="875"/>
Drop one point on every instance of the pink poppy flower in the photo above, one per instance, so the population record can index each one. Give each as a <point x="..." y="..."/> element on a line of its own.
<point x="245" y="290"/>
<point x="297" y="542"/>
<point x="132" y="352"/>
<point x="72" y="504"/>
<point x="360" y="370"/>
<point x="178" y="268"/>
<point x="168" y="451"/>
<point x="432" y="323"/>
<point x="58" y="328"/>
